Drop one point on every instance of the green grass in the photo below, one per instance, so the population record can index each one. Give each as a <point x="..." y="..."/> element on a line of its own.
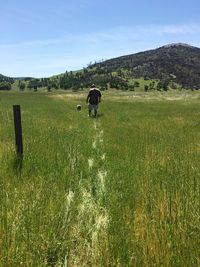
<point x="119" y="190"/>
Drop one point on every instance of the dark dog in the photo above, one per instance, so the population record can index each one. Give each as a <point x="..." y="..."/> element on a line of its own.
<point x="78" y="107"/>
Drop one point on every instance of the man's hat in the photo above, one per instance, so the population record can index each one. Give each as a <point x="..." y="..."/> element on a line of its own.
<point x="93" y="85"/>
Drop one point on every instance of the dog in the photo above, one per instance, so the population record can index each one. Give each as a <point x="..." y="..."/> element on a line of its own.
<point x="78" y="107"/>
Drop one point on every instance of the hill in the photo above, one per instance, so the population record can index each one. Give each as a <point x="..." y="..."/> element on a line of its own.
<point x="5" y="78"/>
<point x="5" y="83"/>
<point x="176" y="62"/>
<point x="170" y="66"/>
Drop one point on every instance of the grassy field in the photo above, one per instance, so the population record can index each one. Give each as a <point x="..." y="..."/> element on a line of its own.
<point x="119" y="190"/>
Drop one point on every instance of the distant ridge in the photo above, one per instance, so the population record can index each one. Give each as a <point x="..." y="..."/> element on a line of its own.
<point x="4" y="78"/>
<point x="176" y="44"/>
<point x="22" y="78"/>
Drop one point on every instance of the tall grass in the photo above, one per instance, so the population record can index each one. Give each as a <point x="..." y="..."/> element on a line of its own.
<point x="121" y="190"/>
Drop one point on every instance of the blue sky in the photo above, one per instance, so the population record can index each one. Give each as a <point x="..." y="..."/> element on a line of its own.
<point x="46" y="37"/>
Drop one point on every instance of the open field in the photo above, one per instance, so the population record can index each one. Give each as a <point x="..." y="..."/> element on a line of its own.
<point x="119" y="190"/>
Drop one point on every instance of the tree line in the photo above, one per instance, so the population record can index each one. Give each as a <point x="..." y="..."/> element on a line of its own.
<point x="100" y="76"/>
<point x="6" y="83"/>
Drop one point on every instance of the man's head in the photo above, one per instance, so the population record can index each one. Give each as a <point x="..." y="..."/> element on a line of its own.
<point x="93" y="85"/>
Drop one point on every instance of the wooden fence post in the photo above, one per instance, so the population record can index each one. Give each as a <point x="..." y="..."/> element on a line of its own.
<point x="18" y="131"/>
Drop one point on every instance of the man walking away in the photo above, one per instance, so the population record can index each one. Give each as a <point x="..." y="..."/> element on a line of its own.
<point x="93" y="98"/>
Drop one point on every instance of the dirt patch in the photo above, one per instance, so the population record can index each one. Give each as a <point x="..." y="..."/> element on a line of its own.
<point x="68" y="96"/>
<point x="131" y="96"/>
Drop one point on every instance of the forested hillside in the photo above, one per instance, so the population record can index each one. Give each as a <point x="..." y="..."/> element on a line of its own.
<point x="176" y="62"/>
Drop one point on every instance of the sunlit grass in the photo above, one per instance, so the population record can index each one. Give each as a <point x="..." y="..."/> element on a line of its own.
<point x="121" y="190"/>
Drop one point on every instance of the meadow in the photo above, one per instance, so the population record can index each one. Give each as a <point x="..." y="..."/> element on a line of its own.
<point x="119" y="190"/>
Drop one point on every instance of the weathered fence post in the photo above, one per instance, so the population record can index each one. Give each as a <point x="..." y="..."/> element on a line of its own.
<point x="18" y="131"/>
